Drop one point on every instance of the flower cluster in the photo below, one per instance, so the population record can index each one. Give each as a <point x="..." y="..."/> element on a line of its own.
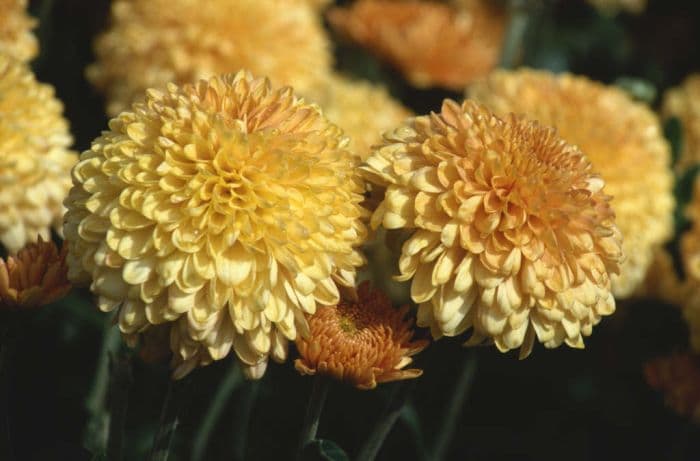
<point x="512" y="235"/>
<point x="683" y="102"/>
<point x="226" y="209"/>
<point x="158" y="41"/>
<point x="363" y="342"/>
<point x="36" y="276"/>
<point x="432" y="44"/>
<point x="16" y="38"/>
<point x="622" y="139"/>
<point x="35" y="161"/>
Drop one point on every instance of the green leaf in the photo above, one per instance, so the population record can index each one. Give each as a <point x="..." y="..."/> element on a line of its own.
<point x="638" y="88"/>
<point x="673" y="130"/>
<point x="324" y="450"/>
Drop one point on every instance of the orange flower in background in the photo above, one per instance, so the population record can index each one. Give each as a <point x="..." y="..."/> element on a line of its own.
<point x="678" y="378"/>
<point x="432" y="44"/>
<point x="36" y="276"/>
<point x="151" y="43"/>
<point x="683" y="102"/>
<point x="35" y="161"/>
<point x="227" y="208"/>
<point x="16" y="38"/>
<point x="623" y="140"/>
<point x="363" y="342"/>
<point x="512" y="235"/>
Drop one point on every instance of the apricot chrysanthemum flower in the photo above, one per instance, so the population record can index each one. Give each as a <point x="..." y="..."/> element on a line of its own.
<point x="512" y="234"/>
<point x="35" y="161"/>
<point x="158" y="41"/>
<point x="227" y="207"/>
<point x="678" y="377"/>
<point x="363" y="110"/>
<point x="613" y="6"/>
<point x="363" y="342"/>
<point x="36" y="276"/>
<point x="16" y="38"/>
<point x="432" y="44"/>
<point x="683" y="102"/>
<point x="623" y="140"/>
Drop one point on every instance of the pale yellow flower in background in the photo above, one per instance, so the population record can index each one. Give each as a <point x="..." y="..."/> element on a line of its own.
<point x="623" y="140"/>
<point x="226" y="208"/>
<point x="363" y="342"/>
<point x="16" y="38"/>
<point x="614" y="6"/>
<point x="430" y="43"/>
<point x="363" y="110"/>
<point x="35" y="161"/>
<point x="512" y="236"/>
<point x="36" y="276"/>
<point x="150" y="43"/>
<point x="683" y="102"/>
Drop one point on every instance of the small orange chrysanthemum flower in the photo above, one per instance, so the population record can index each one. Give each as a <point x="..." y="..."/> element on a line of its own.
<point x="36" y="276"/>
<point x="432" y="44"/>
<point x="364" y="342"/>
<point x="678" y="377"/>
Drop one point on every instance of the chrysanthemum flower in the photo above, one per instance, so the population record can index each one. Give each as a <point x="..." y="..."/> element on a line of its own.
<point x="623" y="140"/>
<point x="226" y="208"/>
<point x="683" y="102"/>
<point x="16" y="38"/>
<point x="363" y="110"/>
<point x="678" y="377"/>
<point x="432" y="44"/>
<point x="512" y="234"/>
<point x="151" y="43"/>
<point x="613" y="6"/>
<point x="363" y="342"/>
<point x="35" y="161"/>
<point x="36" y="276"/>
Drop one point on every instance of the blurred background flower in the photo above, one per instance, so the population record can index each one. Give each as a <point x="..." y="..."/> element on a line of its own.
<point x="16" y="38"/>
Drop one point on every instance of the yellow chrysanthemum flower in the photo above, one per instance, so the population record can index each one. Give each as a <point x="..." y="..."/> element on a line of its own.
<point x="16" y="38"/>
<point x="683" y="102"/>
<point x="155" y="42"/>
<point x="363" y="110"/>
<point x="227" y="208"/>
<point x="512" y="234"/>
<point x="432" y="44"/>
<point x="623" y="140"/>
<point x="364" y="343"/>
<point x="613" y="6"/>
<point x="35" y="161"/>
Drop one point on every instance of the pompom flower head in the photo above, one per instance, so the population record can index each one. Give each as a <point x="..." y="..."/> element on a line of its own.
<point x="363" y="342"/>
<point x="36" y="276"/>
<point x="155" y="42"/>
<point x="622" y="139"/>
<point x="363" y="110"/>
<point x="512" y="235"/>
<point x="432" y="44"/>
<point x="35" y="161"/>
<point x="226" y="209"/>
<point x="16" y="38"/>
<point x="683" y="102"/>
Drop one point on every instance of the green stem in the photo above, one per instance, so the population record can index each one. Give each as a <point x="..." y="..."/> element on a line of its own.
<point x="231" y="381"/>
<point x="242" y="420"/>
<point x="120" y="382"/>
<point x="313" y="412"/>
<point x="454" y="408"/>
<point x="511" y="54"/>
<point x="95" y="437"/>
<point x="399" y="397"/>
<point x="173" y="406"/>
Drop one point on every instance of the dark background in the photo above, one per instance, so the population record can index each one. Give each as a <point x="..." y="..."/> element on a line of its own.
<point x="557" y="404"/>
